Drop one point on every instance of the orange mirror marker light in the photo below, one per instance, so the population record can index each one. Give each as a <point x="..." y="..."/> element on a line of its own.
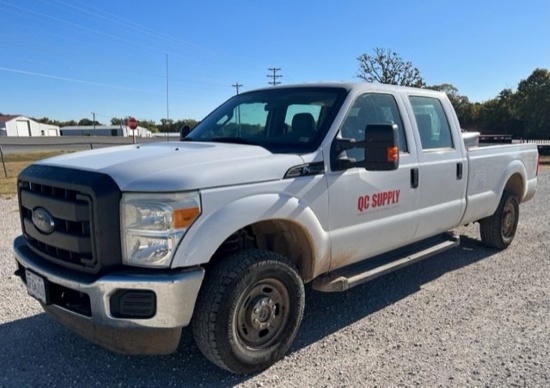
<point x="393" y="154"/>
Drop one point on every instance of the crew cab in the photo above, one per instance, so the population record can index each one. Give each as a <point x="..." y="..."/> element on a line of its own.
<point x="332" y="184"/>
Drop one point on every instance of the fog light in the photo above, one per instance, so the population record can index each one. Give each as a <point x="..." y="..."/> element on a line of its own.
<point x="136" y="304"/>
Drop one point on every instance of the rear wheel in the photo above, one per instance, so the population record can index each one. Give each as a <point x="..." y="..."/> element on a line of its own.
<point x="249" y="310"/>
<point x="498" y="231"/>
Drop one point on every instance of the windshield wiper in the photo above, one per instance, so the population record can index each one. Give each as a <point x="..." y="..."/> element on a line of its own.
<point x="237" y="140"/>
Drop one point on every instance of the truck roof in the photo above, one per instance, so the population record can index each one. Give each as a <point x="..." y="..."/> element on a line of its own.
<point x="352" y="85"/>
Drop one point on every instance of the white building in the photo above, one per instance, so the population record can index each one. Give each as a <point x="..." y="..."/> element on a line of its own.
<point x="104" y="130"/>
<point x="16" y="125"/>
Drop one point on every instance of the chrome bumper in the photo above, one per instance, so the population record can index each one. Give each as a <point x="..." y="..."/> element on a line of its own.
<point x="176" y="293"/>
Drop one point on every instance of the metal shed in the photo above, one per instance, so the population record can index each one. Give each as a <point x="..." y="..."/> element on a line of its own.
<point x="104" y="130"/>
<point x="21" y="126"/>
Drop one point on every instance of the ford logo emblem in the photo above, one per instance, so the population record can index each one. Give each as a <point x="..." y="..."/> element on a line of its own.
<point x="43" y="220"/>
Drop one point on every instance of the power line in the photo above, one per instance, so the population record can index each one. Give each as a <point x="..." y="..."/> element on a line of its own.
<point x="112" y="86"/>
<point x="110" y="65"/>
<point x="237" y="85"/>
<point x="98" y="33"/>
<point x="142" y="29"/>
<point x="274" y="76"/>
<point x="19" y="71"/>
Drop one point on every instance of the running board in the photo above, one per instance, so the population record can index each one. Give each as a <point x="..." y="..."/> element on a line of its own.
<point x="356" y="274"/>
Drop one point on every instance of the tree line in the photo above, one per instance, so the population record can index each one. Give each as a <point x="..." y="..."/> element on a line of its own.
<point x="524" y="113"/>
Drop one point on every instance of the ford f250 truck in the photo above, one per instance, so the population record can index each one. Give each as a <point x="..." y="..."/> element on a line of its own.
<point x="332" y="184"/>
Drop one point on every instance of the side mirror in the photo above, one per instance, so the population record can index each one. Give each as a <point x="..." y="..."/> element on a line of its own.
<point x="184" y="131"/>
<point x="381" y="147"/>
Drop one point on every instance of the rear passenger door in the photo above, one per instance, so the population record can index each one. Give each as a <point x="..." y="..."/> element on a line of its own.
<point x="442" y="167"/>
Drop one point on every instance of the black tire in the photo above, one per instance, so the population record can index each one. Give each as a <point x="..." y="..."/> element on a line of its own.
<point x="498" y="231"/>
<point x="248" y="311"/>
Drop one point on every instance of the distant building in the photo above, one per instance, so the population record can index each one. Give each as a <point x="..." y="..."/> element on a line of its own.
<point x="17" y="125"/>
<point x="104" y="130"/>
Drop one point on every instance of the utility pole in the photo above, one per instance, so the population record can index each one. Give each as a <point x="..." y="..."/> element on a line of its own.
<point x="237" y="85"/>
<point x="93" y="116"/>
<point x="167" y="104"/>
<point x="274" y="76"/>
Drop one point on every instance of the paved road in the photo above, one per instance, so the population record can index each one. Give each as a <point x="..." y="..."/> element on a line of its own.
<point x="469" y="317"/>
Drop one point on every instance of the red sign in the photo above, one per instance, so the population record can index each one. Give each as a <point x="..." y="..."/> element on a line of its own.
<point x="132" y="123"/>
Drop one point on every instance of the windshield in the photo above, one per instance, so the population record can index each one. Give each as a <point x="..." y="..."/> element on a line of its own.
<point x="282" y="120"/>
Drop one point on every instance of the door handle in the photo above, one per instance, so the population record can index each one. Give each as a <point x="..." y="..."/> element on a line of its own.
<point x="414" y="178"/>
<point x="459" y="171"/>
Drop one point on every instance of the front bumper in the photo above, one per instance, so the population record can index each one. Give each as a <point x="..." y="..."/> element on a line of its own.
<point x="175" y="291"/>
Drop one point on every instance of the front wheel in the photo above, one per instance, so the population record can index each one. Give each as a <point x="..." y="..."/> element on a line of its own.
<point x="248" y="311"/>
<point x="498" y="230"/>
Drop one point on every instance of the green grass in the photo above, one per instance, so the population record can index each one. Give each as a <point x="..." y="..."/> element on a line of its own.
<point x="12" y="166"/>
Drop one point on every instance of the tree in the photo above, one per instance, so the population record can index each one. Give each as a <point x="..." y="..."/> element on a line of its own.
<point x="44" y="120"/>
<point x="167" y="125"/>
<point x="192" y="123"/>
<point x="533" y="104"/>
<point x="462" y="105"/>
<point x="149" y="124"/>
<point x="70" y="123"/>
<point x="86" y="121"/>
<point x="510" y="121"/>
<point x="489" y="117"/>
<point x="388" y="67"/>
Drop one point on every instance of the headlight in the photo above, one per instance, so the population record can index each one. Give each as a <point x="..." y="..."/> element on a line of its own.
<point x="153" y="224"/>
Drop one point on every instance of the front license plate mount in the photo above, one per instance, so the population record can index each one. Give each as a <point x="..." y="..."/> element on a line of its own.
<point x="37" y="286"/>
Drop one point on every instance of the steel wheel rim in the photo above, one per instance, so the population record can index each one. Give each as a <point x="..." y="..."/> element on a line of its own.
<point x="262" y="314"/>
<point x="509" y="219"/>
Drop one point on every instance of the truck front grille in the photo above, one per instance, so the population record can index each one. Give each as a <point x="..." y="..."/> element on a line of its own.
<point x="70" y="241"/>
<point x="70" y="217"/>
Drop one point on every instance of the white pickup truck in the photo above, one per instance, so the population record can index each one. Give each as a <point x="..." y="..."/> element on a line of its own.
<point x="332" y="184"/>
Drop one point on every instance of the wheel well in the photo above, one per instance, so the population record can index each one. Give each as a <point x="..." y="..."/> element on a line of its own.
<point x="516" y="186"/>
<point x="284" y="237"/>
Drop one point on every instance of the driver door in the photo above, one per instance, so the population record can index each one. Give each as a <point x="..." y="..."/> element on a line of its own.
<point x="371" y="212"/>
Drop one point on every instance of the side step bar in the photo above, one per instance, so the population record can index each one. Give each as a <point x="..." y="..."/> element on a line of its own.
<point x="356" y="274"/>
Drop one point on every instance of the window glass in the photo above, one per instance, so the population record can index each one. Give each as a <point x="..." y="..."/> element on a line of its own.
<point x="279" y="119"/>
<point x="371" y="108"/>
<point x="295" y="109"/>
<point x="246" y="120"/>
<point x="432" y="123"/>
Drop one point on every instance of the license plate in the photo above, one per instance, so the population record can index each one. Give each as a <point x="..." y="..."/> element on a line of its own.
<point x="36" y="286"/>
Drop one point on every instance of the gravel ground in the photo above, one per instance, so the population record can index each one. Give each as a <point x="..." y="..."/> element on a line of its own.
<point x="469" y="317"/>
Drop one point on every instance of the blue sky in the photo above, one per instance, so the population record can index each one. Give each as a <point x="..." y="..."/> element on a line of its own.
<point x="65" y="59"/>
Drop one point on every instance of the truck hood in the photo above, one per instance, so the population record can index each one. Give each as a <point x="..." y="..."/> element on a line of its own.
<point x="178" y="166"/>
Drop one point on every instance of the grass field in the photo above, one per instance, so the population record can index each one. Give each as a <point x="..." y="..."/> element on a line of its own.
<point x="14" y="163"/>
